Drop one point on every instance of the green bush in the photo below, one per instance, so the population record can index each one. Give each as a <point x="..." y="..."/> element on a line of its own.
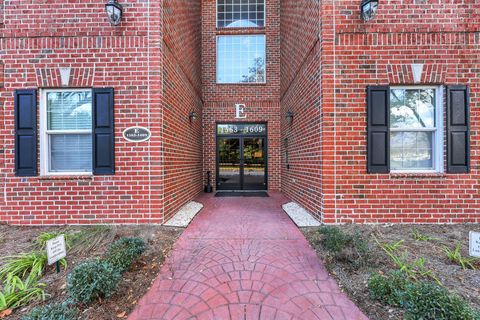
<point x="56" y="311"/>
<point x="354" y="250"/>
<point x="388" y="289"/>
<point x="334" y="239"/>
<point x="123" y="252"/>
<point x="429" y="301"/>
<point x="92" y="280"/>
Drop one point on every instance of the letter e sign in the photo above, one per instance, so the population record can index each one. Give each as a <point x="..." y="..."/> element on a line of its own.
<point x="240" y="111"/>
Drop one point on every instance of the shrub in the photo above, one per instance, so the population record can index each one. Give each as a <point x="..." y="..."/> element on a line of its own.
<point x="56" y="311"/>
<point x="334" y="239"/>
<point x="92" y="280"/>
<point x="388" y="289"/>
<point x="352" y="249"/>
<point x="123" y="252"/>
<point x="429" y="301"/>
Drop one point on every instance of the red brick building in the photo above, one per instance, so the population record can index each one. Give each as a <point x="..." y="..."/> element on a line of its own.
<point x="358" y="120"/>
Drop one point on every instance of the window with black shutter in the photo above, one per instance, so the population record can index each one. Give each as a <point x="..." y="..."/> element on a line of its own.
<point x="77" y="136"/>
<point x="405" y="129"/>
<point x="26" y="133"/>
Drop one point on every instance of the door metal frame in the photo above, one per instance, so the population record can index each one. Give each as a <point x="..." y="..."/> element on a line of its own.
<point x="241" y="137"/>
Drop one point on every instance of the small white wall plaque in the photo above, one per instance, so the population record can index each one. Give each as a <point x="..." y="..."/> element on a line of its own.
<point x="474" y="244"/>
<point x="56" y="249"/>
<point x="136" y="134"/>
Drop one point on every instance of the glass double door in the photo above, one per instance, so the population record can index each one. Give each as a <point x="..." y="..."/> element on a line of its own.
<point x="241" y="163"/>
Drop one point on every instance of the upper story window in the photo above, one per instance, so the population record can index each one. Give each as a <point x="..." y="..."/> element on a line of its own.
<point x="416" y="128"/>
<point x="241" y="59"/>
<point x="66" y="131"/>
<point x="240" y="13"/>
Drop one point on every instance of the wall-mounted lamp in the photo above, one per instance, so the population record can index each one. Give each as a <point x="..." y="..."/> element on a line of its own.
<point x="114" y="12"/>
<point x="289" y="117"/>
<point x="368" y="8"/>
<point x="192" y="116"/>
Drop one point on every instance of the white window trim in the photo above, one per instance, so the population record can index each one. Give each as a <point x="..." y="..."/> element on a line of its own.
<point x="437" y="147"/>
<point x="216" y="58"/>
<point x="264" y="17"/>
<point x="44" y="133"/>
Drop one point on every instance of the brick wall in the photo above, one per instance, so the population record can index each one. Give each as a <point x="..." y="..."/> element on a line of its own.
<point x="444" y="36"/>
<point x="262" y="100"/>
<point x="37" y="38"/>
<point x="300" y="83"/>
<point x="182" y="95"/>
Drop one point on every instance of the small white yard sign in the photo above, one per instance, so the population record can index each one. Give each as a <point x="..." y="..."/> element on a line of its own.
<point x="475" y="244"/>
<point x="56" y="249"/>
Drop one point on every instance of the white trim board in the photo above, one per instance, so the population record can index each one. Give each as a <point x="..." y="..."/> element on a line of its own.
<point x="299" y="215"/>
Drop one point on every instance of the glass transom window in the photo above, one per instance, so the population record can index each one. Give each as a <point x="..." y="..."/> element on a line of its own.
<point x="67" y="131"/>
<point x="240" y="13"/>
<point x="415" y="129"/>
<point x="241" y="59"/>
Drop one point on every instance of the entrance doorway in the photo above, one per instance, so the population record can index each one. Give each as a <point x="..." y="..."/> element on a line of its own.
<point x="242" y="156"/>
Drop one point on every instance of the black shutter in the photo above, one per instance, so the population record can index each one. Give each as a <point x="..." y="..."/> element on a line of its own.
<point x="378" y="153"/>
<point x="103" y="133"/>
<point x="458" y="131"/>
<point x="26" y="133"/>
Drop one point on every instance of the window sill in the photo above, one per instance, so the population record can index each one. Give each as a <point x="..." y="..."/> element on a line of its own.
<point x="418" y="175"/>
<point x="240" y="30"/>
<point x="253" y="84"/>
<point x="67" y="177"/>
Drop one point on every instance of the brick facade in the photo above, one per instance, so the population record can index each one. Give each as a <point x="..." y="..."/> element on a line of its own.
<point x="444" y="37"/>
<point x="161" y="61"/>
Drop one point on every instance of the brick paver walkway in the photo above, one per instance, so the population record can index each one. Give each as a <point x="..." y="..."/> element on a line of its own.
<point x="242" y="258"/>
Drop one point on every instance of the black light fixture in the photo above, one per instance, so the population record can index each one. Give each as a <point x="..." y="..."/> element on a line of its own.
<point x="368" y="8"/>
<point x="114" y="12"/>
<point x="289" y="117"/>
<point x="192" y="116"/>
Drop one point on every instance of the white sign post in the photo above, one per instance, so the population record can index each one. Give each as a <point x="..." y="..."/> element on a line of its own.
<point x="474" y="244"/>
<point x="56" y="250"/>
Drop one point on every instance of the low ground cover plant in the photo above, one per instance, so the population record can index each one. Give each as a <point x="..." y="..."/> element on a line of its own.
<point x="55" y="311"/>
<point x="421" y="300"/>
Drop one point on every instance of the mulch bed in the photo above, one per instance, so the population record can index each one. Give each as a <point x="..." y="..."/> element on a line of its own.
<point x="353" y="280"/>
<point x="135" y="282"/>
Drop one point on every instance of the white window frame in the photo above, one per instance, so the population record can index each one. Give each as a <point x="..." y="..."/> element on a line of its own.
<point x="437" y="141"/>
<point x="44" y="134"/>
<point x="264" y="17"/>
<point x="217" y="62"/>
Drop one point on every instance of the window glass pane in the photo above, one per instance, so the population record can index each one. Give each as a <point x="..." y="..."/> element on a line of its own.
<point x="70" y="152"/>
<point x="412" y="108"/>
<point x="69" y="110"/>
<point x="240" y="13"/>
<point x="241" y="59"/>
<point x="411" y="150"/>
